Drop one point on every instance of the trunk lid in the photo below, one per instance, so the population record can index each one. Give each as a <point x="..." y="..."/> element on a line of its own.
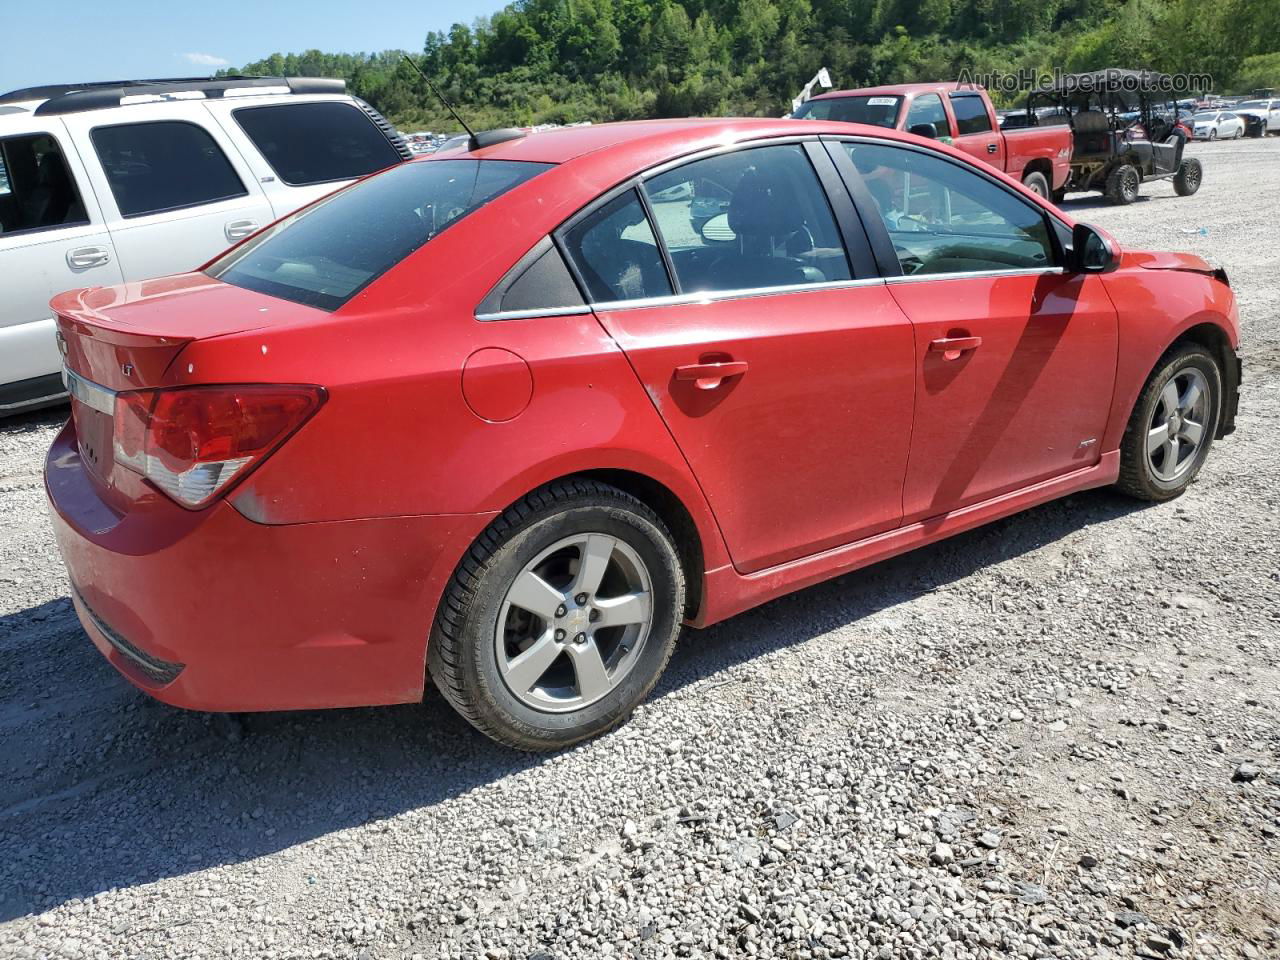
<point x="127" y="337"/>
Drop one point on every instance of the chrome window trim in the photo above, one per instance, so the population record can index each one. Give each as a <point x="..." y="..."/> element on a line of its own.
<point x="89" y="393"/>
<point x="957" y="275"/>
<point x="530" y="314"/>
<point x="713" y="296"/>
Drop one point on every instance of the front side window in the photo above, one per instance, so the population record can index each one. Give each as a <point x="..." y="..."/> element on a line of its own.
<point x="879" y="111"/>
<point x="944" y="218"/>
<point x="37" y="191"/>
<point x="616" y="253"/>
<point x="317" y="142"/>
<point x="747" y="219"/>
<point x="971" y="114"/>
<point x="325" y="254"/>
<point x="927" y="109"/>
<point x="164" y="165"/>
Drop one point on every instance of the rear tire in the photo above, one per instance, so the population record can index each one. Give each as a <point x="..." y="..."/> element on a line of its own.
<point x="1188" y="178"/>
<point x="1170" y="431"/>
<point x="1122" y="184"/>
<point x="571" y="551"/>
<point x="1037" y="184"/>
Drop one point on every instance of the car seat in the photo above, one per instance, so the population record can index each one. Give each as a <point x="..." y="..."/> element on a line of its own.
<point x="49" y="202"/>
<point x="767" y="220"/>
<point x="1091" y="132"/>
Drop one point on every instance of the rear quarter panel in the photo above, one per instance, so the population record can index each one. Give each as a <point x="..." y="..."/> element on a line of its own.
<point x="1051" y="143"/>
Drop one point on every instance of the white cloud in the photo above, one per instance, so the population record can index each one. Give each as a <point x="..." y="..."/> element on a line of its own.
<point x="205" y="60"/>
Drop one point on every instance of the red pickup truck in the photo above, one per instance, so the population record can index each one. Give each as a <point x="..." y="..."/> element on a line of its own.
<point x="959" y="115"/>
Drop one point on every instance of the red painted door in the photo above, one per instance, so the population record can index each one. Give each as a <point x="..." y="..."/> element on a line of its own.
<point x="1015" y="380"/>
<point x="976" y="130"/>
<point x="802" y="445"/>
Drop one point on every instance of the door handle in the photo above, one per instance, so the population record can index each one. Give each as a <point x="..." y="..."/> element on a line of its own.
<point x="992" y="148"/>
<point x="708" y="376"/>
<point x="82" y="258"/>
<point x="952" y="348"/>
<point x="238" y="229"/>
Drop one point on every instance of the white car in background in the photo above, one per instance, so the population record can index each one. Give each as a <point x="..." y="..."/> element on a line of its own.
<point x="106" y="183"/>
<point x="1268" y="111"/>
<point x="1216" y="125"/>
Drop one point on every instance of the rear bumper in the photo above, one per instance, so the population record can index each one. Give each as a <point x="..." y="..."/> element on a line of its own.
<point x="212" y="611"/>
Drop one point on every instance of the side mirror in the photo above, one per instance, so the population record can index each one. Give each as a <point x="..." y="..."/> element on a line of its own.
<point x="1093" y="250"/>
<point x="717" y="229"/>
<point x="923" y="130"/>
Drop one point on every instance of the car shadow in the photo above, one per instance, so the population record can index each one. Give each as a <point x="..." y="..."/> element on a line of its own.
<point x="128" y="790"/>
<point x="1095" y="201"/>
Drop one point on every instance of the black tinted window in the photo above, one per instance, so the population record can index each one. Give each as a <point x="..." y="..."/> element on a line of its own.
<point x="325" y="254"/>
<point x="877" y="111"/>
<point x="317" y="142"/>
<point x="37" y="191"/>
<point x="163" y="166"/>
<point x="746" y="219"/>
<point x="616" y="253"/>
<point x="971" y="114"/>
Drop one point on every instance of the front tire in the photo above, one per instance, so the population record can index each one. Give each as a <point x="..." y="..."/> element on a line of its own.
<point x="1122" y="184"/>
<point x="560" y="618"/>
<point x="1172" y="425"/>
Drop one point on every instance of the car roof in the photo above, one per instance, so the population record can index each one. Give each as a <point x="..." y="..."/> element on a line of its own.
<point x="56" y="99"/>
<point x="568" y="143"/>
<point x="901" y="89"/>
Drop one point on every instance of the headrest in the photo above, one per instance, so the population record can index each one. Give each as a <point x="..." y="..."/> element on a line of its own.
<point x="763" y="207"/>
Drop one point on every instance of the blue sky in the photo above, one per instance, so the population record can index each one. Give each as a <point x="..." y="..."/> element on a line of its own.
<point x="126" y="39"/>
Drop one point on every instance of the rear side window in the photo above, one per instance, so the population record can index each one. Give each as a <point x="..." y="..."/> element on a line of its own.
<point x="317" y="142"/>
<point x="326" y="253"/>
<point x="775" y="229"/>
<point x="616" y="253"/>
<point x="971" y="114"/>
<point x="164" y="165"/>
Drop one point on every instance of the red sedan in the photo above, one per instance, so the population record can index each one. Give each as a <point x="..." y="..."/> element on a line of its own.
<point x="509" y="416"/>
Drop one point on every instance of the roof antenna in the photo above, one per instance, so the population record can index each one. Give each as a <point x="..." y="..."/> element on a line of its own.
<point x="448" y="106"/>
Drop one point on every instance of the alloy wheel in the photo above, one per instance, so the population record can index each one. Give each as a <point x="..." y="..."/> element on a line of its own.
<point x="1176" y="431"/>
<point x="573" y="622"/>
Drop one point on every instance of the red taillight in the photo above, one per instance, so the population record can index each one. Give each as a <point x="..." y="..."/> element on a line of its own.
<point x="193" y="442"/>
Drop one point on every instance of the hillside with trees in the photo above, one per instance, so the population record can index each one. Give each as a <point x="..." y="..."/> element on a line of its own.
<point x="560" y="61"/>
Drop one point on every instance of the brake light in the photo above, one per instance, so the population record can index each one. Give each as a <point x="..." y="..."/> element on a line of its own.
<point x="194" y="442"/>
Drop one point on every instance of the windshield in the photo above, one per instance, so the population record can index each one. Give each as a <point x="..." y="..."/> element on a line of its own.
<point x="1205" y="116"/>
<point x="877" y="111"/>
<point x="1252" y="105"/>
<point x="325" y="254"/>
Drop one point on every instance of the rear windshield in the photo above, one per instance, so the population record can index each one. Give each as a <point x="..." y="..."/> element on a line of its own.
<point x="325" y="254"/>
<point x="877" y="111"/>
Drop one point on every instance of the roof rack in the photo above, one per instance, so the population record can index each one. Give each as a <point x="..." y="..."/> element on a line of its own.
<point x="75" y="98"/>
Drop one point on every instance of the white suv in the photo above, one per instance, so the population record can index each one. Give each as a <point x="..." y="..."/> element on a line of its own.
<point x="121" y="182"/>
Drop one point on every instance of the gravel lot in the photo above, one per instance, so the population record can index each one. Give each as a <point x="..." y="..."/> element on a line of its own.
<point x="1058" y="736"/>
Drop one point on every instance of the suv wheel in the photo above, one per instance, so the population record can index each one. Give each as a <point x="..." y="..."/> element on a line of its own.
<point x="1172" y="425"/>
<point x="1122" y="184"/>
<point x="560" y="618"/>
